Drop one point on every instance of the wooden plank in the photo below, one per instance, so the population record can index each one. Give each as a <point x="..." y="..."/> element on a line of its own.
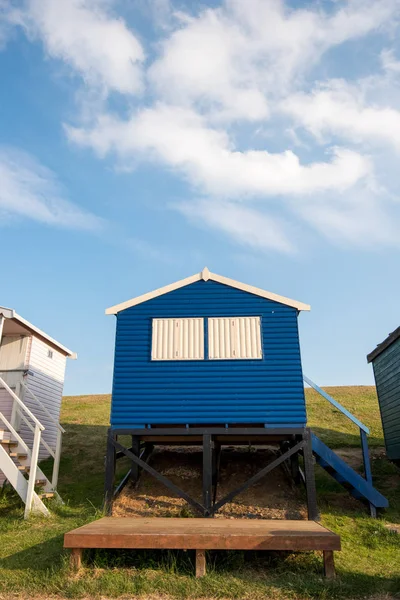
<point x="202" y="534"/>
<point x="200" y="563"/>
<point x="225" y="439"/>
<point x="329" y="564"/>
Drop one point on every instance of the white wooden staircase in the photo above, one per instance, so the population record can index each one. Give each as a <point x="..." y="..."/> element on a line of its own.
<point x="19" y="462"/>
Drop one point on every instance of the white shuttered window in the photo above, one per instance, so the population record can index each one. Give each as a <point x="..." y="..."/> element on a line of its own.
<point x="234" y="337"/>
<point x="178" y="339"/>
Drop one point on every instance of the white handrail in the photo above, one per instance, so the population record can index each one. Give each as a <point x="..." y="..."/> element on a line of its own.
<point x="56" y="465"/>
<point x="32" y="428"/>
<point x="15" y="434"/>
<point x="33" y="469"/>
<point x="28" y="451"/>
<point x="22" y="405"/>
<point x="48" y="413"/>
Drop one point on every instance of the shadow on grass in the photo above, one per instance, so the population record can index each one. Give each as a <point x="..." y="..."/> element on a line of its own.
<point x="81" y="479"/>
<point x="230" y="574"/>
<point x="39" y="557"/>
<point x="340" y="439"/>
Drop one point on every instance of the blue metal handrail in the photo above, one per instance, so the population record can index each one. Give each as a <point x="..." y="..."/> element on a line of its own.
<point x="336" y="404"/>
<point x="363" y="434"/>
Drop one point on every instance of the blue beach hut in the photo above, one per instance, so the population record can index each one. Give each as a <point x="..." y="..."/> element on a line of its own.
<point x="209" y="359"/>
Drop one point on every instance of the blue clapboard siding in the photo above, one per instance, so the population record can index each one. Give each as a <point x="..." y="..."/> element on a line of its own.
<point x="268" y="391"/>
<point x="387" y="379"/>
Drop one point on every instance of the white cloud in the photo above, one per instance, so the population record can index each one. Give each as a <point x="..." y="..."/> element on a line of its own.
<point x="6" y="22"/>
<point x="248" y="226"/>
<point x="340" y="109"/>
<point x="389" y="61"/>
<point x="233" y="59"/>
<point x="86" y="36"/>
<point x="242" y="62"/>
<point x="181" y="139"/>
<point x="220" y="75"/>
<point x="29" y="190"/>
<point x="360" y="219"/>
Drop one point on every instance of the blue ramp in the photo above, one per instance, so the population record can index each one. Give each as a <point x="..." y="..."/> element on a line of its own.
<point x="358" y="487"/>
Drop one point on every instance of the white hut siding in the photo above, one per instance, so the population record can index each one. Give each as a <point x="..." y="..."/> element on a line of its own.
<point x="14" y="352"/>
<point x="46" y="381"/>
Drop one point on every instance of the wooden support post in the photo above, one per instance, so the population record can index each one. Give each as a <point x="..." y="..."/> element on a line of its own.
<point x="75" y="559"/>
<point x="216" y="454"/>
<point x="110" y="472"/>
<point x="294" y="466"/>
<point x="329" y="564"/>
<point x="207" y="474"/>
<point x="134" y="466"/>
<point x="310" y="478"/>
<point x="200" y="563"/>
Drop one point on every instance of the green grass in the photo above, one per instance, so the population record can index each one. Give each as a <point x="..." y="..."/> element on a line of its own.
<point x="333" y="427"/>
<point x="32" y="560"/>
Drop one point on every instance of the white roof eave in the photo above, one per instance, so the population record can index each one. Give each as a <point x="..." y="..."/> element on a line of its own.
<point x="9" y="313"/>
<point x="205" y="275"/>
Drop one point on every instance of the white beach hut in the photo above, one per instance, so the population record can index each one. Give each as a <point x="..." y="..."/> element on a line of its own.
<point x="32" y="369"/>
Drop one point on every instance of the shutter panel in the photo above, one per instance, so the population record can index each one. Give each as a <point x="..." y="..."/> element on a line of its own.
<point x="178" y="339"/>
<point x="220" y="338"/>
<point x="234" y="338"/>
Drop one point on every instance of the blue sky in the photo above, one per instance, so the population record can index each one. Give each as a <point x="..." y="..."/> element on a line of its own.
<point x="143" y="140"/>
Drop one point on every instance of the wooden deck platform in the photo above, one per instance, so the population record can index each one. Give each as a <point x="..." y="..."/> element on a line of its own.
<point x="203" y="534"/>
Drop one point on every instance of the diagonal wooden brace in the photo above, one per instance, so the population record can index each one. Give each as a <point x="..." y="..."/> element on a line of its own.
<point x="258" y="476"/>
<point x="174" y="488"/>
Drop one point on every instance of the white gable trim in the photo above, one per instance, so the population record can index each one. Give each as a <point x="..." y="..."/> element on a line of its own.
<point x="9" y="313"/>
<point x="205" y="275"/>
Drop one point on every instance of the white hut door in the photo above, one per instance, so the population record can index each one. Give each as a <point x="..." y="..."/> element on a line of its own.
<point x="12" y="364"/>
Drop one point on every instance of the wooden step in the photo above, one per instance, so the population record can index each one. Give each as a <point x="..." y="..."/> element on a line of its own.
<point x="23" y="468"/>
<point x="40" y="482"/>
<point x="47" y="495"/>
<point x="19" y="455"/>
<point x="203" y="534"/>
<point x="9" y="443"/>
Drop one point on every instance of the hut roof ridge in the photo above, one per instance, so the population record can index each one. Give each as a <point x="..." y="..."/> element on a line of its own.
<point x="206" y="275"/>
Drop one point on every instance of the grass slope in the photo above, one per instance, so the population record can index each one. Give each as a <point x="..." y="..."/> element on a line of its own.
<point x="32" y="560"/>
